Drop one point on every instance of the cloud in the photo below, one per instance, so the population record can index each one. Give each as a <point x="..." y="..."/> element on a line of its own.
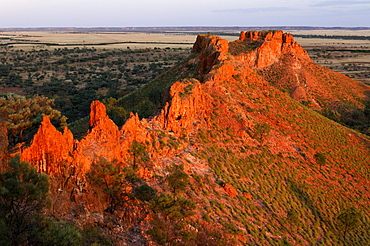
<point x="329" y="3"/>
<point x="255" y="10"/>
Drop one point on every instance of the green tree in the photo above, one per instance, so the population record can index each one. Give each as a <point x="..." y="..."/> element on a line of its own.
<point x="13" y="80"/>
<point x="171" y="213"/>
<point x="145" y="193"/>
<point x="139" y="154"/>
<point x="261" y="130"/>
<point x="177" y="179"/>
<point x="22" y="113"/>
<point x="348" y="220"/>
<point x="116" y="182"/>
<point x="23" y="194"/>
<point x="57" y="233"/>
<point x="116" y="113"/>
<point x="169" y="224"/>
<point x="320" y="159"/>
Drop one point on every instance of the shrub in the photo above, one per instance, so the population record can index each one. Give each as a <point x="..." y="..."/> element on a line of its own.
<point x="23" y="194"/>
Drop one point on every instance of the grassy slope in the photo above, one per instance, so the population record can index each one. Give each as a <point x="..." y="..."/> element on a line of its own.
<point x="294" y="200"/>
<point x="151" y="97"/>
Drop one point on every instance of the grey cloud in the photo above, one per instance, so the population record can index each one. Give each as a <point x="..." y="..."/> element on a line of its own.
<point x="340" y="3"/>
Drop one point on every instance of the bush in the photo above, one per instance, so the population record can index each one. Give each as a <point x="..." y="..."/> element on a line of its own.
<point x="177" y="179"/>
<point x="58" y="233"/>
<point x="145" y="193"/>
<point x="23" y="194"/>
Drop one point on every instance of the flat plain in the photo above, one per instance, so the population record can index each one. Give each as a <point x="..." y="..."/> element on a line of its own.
<point x="348" y="56"/>
<point x="106" y="40"/>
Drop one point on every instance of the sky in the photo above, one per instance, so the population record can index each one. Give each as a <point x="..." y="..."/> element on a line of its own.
<point x="148" y="13"/>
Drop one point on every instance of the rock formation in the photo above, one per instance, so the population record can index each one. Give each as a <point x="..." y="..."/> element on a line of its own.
<point x="229" y="126"/>
<point x="49" y="148"/>
<point x="211" y="50"/>
<point x="282" y="61"/>
<point x="271" y="47"/>
<point x="102" y="140"/>
<point x="190" y="103"/>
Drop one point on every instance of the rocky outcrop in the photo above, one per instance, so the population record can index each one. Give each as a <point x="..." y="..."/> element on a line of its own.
<point x="211" y="50"/>
<point x="102" y="139"/>
<point x="230" y="190"/>
<point x="272" y="45"/>
<point x="134" y="130"/>
<point x="49" y="148"/>
<point x="188" y="106"/>
<point x="3" y="146"/>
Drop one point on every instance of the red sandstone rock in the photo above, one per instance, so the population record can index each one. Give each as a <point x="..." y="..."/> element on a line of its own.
<point x="98" y="114"/>
<point x="187" y="110"/>
<point x="134" y="130"/>
<point x="210" y="43"/>
<point x="189" y="104"/>
<point x="211" y="49"/>
<point x="248" y="195"/>
<point x="230" y="190"/>
<point x="273" y="45"/>
<point x="49" y="148"/>
<point x="101" y="141"/>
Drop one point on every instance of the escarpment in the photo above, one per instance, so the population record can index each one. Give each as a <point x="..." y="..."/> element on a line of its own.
<point x="210" y="51"/>
<point x="241" y="139"/>
<point x="268" y="48"/>
<point x="225" y="72"/>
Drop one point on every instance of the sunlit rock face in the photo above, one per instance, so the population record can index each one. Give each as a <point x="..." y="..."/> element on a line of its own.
<point x="269" y="48"/>
<point x="210" y="51"/>
<point x="102" y="139"/>
<point x="49" y="148"/>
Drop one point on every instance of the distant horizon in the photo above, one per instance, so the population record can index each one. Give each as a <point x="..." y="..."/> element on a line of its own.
<point x="157" y="13"/>
<point x="191" y="27"/>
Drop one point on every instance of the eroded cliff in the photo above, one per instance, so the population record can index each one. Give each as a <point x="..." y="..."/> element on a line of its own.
<point x="239" y="138"/>
<point x="268" y="48"/>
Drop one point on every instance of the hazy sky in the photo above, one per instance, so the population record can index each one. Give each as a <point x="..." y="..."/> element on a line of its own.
<point x="121" y="13"/>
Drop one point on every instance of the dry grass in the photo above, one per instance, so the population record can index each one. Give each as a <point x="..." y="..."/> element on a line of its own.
<point x="150" y="40"/>
<point x="332" y="32"/>
<point x="112" y="37"/>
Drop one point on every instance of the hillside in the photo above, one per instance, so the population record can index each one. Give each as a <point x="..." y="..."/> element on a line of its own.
<point x="263" y="168"/>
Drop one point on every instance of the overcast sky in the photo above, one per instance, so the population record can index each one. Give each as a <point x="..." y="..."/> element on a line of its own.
<point x="123" y="13"/>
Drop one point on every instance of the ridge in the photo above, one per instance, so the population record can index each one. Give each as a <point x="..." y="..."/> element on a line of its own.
<point x="249" y="147"/>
